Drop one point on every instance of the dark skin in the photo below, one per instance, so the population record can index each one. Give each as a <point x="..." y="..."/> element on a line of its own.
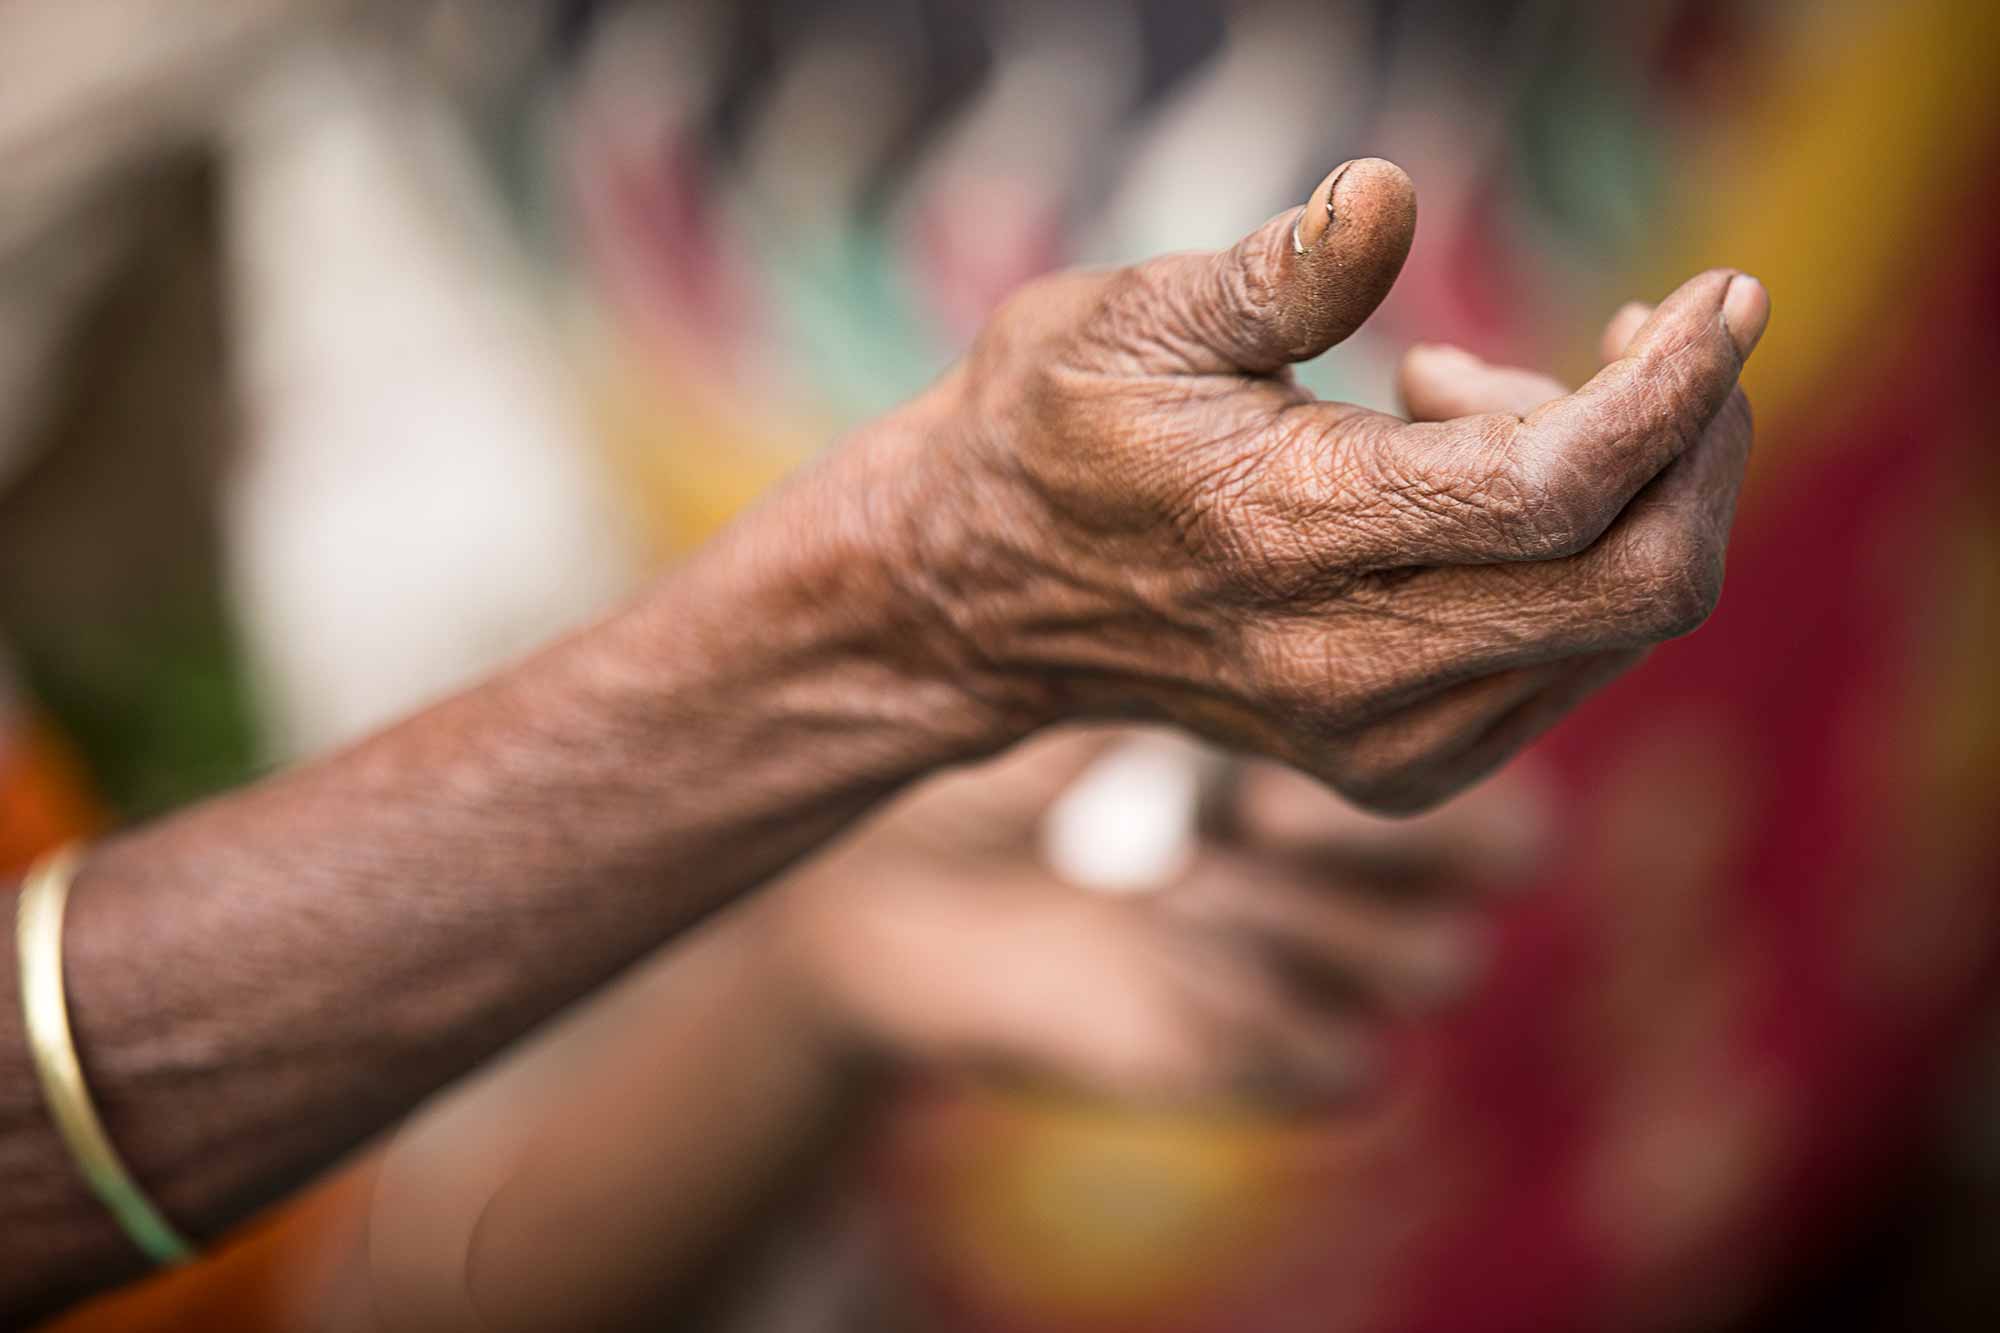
<point x="1118" y="504"/>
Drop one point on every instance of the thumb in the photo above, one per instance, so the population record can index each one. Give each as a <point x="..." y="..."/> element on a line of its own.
<point x="1302" y="282"/>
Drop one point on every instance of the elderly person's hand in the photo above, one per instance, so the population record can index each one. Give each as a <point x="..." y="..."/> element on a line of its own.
<point x="1138" y="512"/>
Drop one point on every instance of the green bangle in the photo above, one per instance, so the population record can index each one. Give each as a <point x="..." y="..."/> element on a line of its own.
<point x="38" y="922"/>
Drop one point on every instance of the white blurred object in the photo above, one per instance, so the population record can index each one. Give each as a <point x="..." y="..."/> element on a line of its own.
<point x="1241" y="139"/>
<point x="1129" y="822"/>
<point x="417" y="498"/>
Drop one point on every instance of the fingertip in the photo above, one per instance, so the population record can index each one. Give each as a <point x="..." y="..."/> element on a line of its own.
<point x="1746" y="309"/>
<point x="1441" y="354"/>
<point x="1366" y="193"/>
<point x="1710" y="284"/>
<point x="1302" y="282"/>
<point x="1375" y="186"/>
<point x="1376" y="199"/>
<point x="1425" y="371"/>
<point x="1702" y="304"/>
<point x="1438" y="382"/>
<point x="1423" y="359"/>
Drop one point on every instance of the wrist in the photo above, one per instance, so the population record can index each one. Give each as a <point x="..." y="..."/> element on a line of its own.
<point x="919" y="544"/>
<point x="812" y="611"/>
<point x="1049" y="601"/>
<point x="968" y="555"/>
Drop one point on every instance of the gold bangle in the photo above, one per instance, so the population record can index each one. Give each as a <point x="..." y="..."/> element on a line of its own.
<point x="38" y="936"/>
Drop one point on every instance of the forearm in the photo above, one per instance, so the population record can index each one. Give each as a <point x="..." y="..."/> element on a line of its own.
<point x="261" y="982"/>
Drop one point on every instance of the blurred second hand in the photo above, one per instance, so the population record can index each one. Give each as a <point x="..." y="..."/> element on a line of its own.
<point x="1129" y="822"/>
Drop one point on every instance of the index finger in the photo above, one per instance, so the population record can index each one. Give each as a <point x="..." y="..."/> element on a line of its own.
<point x="1497" y="487"/>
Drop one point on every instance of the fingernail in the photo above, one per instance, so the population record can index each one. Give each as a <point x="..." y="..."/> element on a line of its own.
<point x="1746" y="309"/>
<point x="1317" y="215"/>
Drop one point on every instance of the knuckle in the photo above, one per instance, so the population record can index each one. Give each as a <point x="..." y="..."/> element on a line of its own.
<point x="1139" y="312"/>
<point x="1219" y="301"/>
<point x="1555" y="512"/>
<point x="1531" y="499"/>
<point x="1256" y="280"/>
<point x="1182" y="304"/>
<point x="1673" y="582"/>
<point x="1304" y="679"/>
<point x="1288" y="543"/>
<point x="1676" y="402"/>
<point x="1475" y="490"/>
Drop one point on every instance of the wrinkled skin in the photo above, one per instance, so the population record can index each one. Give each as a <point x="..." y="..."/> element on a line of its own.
<point x="1146" y="515"/>
<point x="1267" y="968"/>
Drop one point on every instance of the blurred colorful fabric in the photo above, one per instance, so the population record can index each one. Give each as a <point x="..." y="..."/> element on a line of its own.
<point x="44" y="797"/>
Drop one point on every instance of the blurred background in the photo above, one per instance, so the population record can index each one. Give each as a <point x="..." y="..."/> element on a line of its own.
<point x="346" y="350"/>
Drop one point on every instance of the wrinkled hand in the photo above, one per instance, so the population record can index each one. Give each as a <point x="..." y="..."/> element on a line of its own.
<point x="1148" y="517"/>
<point x="1266" y="969"/>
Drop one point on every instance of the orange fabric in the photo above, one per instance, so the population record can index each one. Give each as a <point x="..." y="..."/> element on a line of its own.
<point x="276" y="1273"/>
<point x="44" y="799"/>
